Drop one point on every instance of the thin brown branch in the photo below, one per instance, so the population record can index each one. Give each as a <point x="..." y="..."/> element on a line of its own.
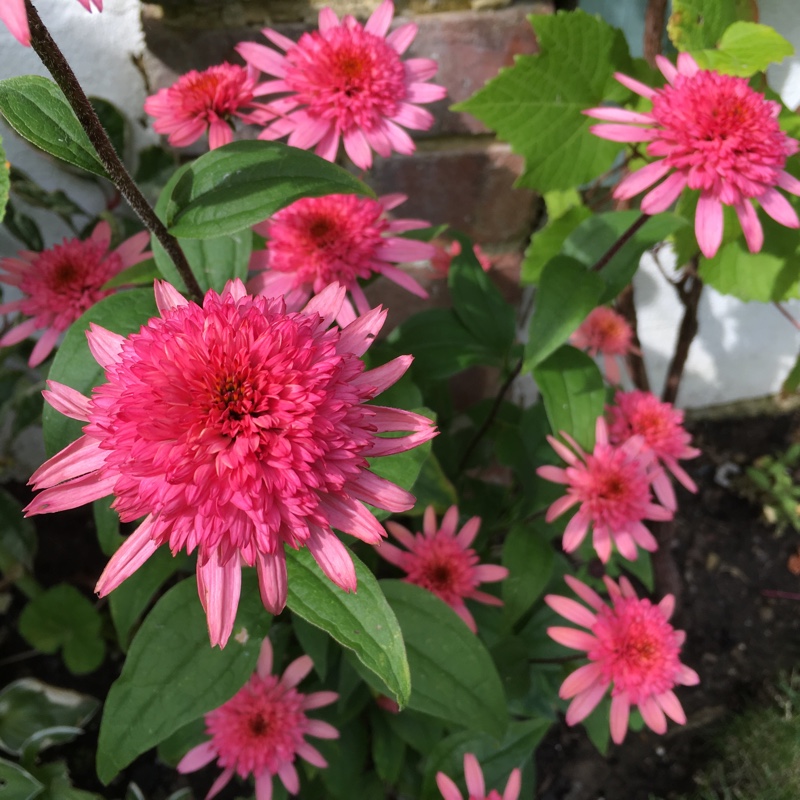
<point x="57" y="65"/>
<point x="786" y="314"/>
<point x="627" y="307"/>
<point x="689" y="291"/>
<point x="620" y="243"/>
<point x="653" y="29"/>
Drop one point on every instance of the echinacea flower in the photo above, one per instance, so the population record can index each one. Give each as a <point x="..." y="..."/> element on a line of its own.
<point x="235" y="429"/>
<point x="631" y="648"/>
<point x="442" y="561"/>
<point x="206" y="101"/>
<point x="612" y="485"/>
<point x="476" y="785"/>
<point x="347" y="82"/>
<point x="61" y="283"/>
<point x="340" y="238"/>
<point x="711" y="133"/>
<point x="15" y="17"/>
<point x="660" y="424"/>
<point x="605" y="332"/>
<point x="261" y="730"/>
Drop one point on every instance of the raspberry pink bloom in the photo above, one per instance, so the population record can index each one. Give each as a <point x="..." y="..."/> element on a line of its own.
<point x="339" y="238"/>
<point x="476" y="785"/>
<point x="261" y="730"/>
<point x="234" y="429"/>
<point x="631" y="648"/>
<point x="347" y="82"/>
<point x="445" y="253"/>
<point x="711" y="133"/>
<point x="612" y="487"/>
<point x="14" y="16"/>
<point x="607" y="333"/>
<point x="660" y="424"/>
<point x="59" y="284"/>
<point x="442" y="561"/>
<point x="206" y="101"/>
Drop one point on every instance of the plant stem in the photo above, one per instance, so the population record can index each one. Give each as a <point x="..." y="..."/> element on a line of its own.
<point x="57" y="65"/>
<point x="689" y="291"/>
<point x="627" y="307"/>
<point x="653" y="29"/>
<point x="620" y="243"/>
<point x="786" y="314"/>
<point x="490" y="417"/>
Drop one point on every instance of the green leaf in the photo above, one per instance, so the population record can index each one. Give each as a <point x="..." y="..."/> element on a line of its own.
<point x="172" y="676"/>
<point x="38" y="111"/>
<point x="573" y="393"/>
<point x="745" y="49"/>
<point x="17" y="534"/>
<point x="593" y="238"/>
<point x="698" y="24"/>
<point x="145" y="272"/>
<point x="537" y="104"/>
<point x="546" y="244"/>
<point x="792" y="381"/>
<point x="16" y="783"/>
<point x="5" y="180"/>
<point x="106" y="521"/>
<point x="74" y="365"/>
<point x="478" y="304"/>
<point x="497" y="758"/>
<point x="243" y="183"/>
<point x="769" y="275"/>
<point x="58" y="786"/>
<point x="452" y="674"/>
<point x="23" y="228"/>
<point x="29" y="708"/>
<point x="529" y="558"/>
<point x="362" y="622"/>
<point x="388" y="750"/>
<point x="60" y="618"/>
<point x="131" y="598"/>
<point x="441" y="344"/>
<point x="433" y="488"/>
<point x="567" y="293"/>
<point x="314" y="643"/>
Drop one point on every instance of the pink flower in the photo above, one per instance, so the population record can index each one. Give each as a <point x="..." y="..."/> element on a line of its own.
<point x="59" y="284"/>
<point x="206" y="101"/>
<point x="347" y="82"/>
<point x="262" y="729"/>
<point x="715" y="134"/>
<point x="445" y="253"/>
<point x="660" y="424"/>
<point x="339" y="238"/>
<point x="631" y="647"/>
<point x="441" y="561"/>
<point x="612" y="486"/>
<point x="475" y="784"/>
<point x="15" y="17"/>
<point x="607" y="333"/>
<point x="236" y="429"/>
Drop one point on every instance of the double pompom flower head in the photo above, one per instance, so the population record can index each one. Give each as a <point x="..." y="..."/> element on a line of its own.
<point x="235" y="428"/>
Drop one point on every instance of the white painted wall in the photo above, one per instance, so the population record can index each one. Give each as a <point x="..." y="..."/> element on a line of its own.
<point x="743" y="350"/>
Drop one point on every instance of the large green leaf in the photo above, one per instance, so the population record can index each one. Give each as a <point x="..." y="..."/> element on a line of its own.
<point x="213" y="261"/>
<point x="699" y="24"/>
<point x="573" y="393"/>
<point x="529" y="557"/>
<point x="745" y="49"/>
<point x="537" y="104"/>
<point x="567" y="293"/>
<point x="173" y="676"/>
<point x="243" y="183"/>
<point x="362" y="622"/>
<point x="38" y="111"/>
<point x="74" y="365"/>
<point x="16" y="783"/>
<point x="452" y="674"/>
<point x="497" y="758"/>
<point x="17" y="534"/>
<point x="546" y="243"/>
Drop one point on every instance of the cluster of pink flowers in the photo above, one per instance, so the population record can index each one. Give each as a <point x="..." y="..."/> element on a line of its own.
<point x="476" y="786"/>
<point x="711" y="133"/>
<point x="345" y="83"/>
